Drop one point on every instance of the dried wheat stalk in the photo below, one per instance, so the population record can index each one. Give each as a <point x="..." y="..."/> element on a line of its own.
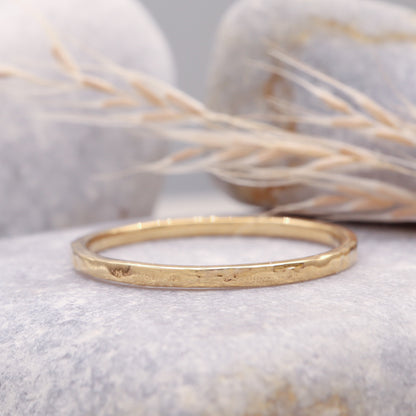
<point x="245" y="151"/>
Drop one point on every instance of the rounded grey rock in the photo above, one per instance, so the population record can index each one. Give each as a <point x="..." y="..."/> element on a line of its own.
<point x="343" y="345"/>
<point x="49" y="169"/>
<point x="368" y="45"/>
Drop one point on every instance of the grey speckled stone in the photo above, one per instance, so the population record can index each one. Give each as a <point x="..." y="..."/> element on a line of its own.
<point x="47" y="170"/>
<point x="369" y="45"/>
<point x="343" y="345"/>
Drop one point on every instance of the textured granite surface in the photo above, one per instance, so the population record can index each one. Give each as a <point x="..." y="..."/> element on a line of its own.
<point x="343" y="345"/>
<point x="48" y="170"/>
<point x="366" y="44"/>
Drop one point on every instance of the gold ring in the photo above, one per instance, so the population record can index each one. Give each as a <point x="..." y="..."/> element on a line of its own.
<point x="339" y="258"/>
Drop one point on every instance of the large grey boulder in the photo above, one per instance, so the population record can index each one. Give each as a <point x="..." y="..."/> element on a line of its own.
<point x="48" y="169"/>
<point x="369" y="45"/>
<point x="342" y="345"/>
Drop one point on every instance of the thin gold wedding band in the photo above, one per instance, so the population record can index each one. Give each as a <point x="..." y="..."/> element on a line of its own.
<point x="339" y="258"/>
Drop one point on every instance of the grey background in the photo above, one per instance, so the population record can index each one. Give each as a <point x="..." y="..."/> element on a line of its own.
<point x="190" y="26"/>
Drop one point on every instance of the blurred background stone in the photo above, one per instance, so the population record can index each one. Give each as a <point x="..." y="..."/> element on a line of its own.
<point x="369" y="45"/>
<point x="192" y="49"/>
<point x="48" y="170"/>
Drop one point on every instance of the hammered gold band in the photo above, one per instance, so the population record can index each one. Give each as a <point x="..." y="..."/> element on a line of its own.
<point x="341" y="257"/>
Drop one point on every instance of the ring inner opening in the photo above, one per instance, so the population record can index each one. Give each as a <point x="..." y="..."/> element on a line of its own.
<point x="219" y="250"/>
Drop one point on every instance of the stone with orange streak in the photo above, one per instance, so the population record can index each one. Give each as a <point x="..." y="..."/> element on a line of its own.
<point x="366" y="44"/>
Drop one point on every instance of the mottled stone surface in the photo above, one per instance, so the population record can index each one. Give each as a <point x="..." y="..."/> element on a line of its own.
<point x="343" y="345"/>
<point x="48" y="170"/>
<point x="369" y="45"/>
<point x="364" y="43"/>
